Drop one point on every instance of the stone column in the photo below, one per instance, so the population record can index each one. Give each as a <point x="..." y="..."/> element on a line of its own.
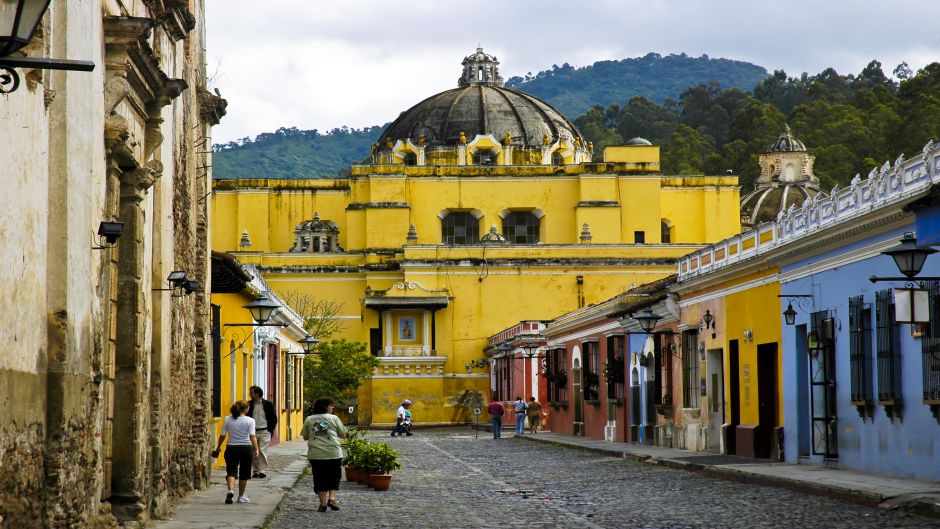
<point x="426" y="326"/>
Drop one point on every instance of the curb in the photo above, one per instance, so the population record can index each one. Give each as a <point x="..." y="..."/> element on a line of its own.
<point x="923" y="504"/>
<point x="286" y="480"/>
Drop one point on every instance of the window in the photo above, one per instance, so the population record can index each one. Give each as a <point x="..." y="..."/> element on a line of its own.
<point x="665" y="232"/>
<point x="521" y="227"/>
<point x="889" y="349"/>
<point x="484" y="157"/>
<point x="592" y="379"/>
<point x="557" y="159"/>
<point x="460" y="228"/>
<point x="503" y="374"/>
<point x="822" y="372"/>
<point x="639" y="237"/>
<point x="860" y="350"/>
<point x="557" y="376"/>
<point x="615" y="370"/>
<point x="410" y="159"/>
<point x="689" y="369"/>
<point x="930" y="347"/>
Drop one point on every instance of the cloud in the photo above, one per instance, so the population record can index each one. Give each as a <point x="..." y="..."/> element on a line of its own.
<point x="327" y="63"/>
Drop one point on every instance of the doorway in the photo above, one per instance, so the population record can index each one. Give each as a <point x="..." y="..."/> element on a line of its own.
<point x="734" y="397"/>
<point x="767" y="399"/>
<point x="716" y="398"/>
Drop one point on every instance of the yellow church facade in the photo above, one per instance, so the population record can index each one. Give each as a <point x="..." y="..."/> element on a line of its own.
<point x="478" y="207"/>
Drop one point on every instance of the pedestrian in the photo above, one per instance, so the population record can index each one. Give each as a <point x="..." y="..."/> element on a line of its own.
<point x="322" y="431"/>
<point x="265" y="416"/>
<point x="520" y="407"/>
<point x="496" y="411"/>
<point x="403" y="419"/>
<point x="242" y="447"/>
<point x="534" y="414"/>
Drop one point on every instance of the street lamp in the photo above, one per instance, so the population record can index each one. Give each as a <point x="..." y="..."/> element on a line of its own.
<point x="309" y="343"/>
<point x="907" y="256"/>
<point x="262" y="308"/>
<point x="708" y="318"/>
<point x="18" y="22"/>
<point x="789" y="315"/>
<point x="647" y="320"/>
<point x="530" y="349"/>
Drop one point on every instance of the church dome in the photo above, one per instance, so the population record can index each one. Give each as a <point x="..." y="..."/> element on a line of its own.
<point x="638" y="141"/>
<point x="764" y="204"/>
<point x="786" y="143"/>
<point x="481" y="105"/>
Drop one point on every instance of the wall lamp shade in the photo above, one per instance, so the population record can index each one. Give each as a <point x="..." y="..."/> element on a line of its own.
<point x="262" y="308"/>
<point x="176" y="277"/>
<point x="708" y="319"/>
<point x="908" y="257"/>
<point x="309" y="343"/>
<point x="191" y="286"/>
<point x="789" y="315"/>
<point x="647" y="320"/>
<point x="18" y="21"/>
<point x="111" y="231"/>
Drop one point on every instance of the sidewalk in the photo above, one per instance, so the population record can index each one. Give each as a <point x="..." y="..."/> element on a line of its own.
<point x="206" y="509"/>
<point x="920" y="496"/>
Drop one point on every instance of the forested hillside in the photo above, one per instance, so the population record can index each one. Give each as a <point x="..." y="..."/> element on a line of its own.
<point x="291" y="153"/>
<point x="852" y="123"/>
<point x="574" y="90"/>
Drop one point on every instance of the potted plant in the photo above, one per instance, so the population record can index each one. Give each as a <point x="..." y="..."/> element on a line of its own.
<point x="355" y="445"/>
<point x="378" y="459"/>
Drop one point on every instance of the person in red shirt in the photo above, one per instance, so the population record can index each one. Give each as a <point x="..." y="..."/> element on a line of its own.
<point x="496" y="411"/>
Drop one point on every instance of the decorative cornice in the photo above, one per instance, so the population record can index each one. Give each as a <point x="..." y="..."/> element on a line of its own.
<point x="173" y="15"/>
<point x="212" y="107"/>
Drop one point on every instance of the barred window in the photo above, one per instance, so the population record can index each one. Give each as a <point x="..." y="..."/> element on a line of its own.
<point x="822" y="373"/>
<point x="615" y="370"/>
<point x="889" y="349"/>
<point x="930" y="347"/>
<point x="521" y="227"/>
<point x="502" y="371"/>
<point x="557" y="376"/>
<point x="860" y="349"/>
<point x="460" y="228"/>
<point x="689" y="369"/>
<point x="592" y="379"/>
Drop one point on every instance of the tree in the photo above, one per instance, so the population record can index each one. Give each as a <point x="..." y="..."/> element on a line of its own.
<point x="321" y="316"/>
<point x="337" y="369"/>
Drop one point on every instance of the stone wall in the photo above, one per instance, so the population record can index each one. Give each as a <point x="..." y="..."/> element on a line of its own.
<point x="104" y="371"/>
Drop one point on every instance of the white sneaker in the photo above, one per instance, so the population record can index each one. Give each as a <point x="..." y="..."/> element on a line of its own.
<point x="243" y="499"/>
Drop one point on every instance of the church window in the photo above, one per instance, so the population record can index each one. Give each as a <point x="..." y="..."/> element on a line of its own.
<point x="557" y="159"/>
<point x="460" y="228"/>
<point x="521" y="227"/>
<point x="484" y="157"/>
<point x="410" y="159"/>
<point x="666" y="232"/>
<point x="639" y="237"/>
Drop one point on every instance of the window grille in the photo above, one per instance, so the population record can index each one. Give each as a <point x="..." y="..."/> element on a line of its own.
<point x="930" y="347"/>
<point x="690" y="369"/>
<point x="615" y="371"/>
<point x="592" y="379"/>
<point x="860" y="350"/>
<point x="822" y="372"/>
<point x="557" y="376"/>
<point x="521" y="227"/>
<point x="460" y="228"/>
<point x="889" y="349"/>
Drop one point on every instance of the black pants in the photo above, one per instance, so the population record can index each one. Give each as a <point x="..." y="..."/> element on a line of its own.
<point x="326" y="474"/>
<point x="401" y="427"/>
<point x="238" y="461"/>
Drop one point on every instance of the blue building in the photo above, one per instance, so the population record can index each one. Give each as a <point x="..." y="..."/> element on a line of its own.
<point x="859" y="388"/>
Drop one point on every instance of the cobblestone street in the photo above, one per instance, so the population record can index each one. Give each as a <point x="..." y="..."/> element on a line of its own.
<point x="450" y="480"/>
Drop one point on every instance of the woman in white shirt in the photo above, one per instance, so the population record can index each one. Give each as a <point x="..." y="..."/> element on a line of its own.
<point x="242" y="447"/>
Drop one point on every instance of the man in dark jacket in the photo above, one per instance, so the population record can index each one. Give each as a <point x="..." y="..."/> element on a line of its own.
<point x="265" y="416"/>
<point x="496" y="411"/>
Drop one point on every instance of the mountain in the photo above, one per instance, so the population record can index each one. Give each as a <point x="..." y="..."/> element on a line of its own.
<point x="291" y="153"/>
<point x="574" y="90"/>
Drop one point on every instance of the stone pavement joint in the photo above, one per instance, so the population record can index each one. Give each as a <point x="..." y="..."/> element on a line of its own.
<point x="873" y="490"/>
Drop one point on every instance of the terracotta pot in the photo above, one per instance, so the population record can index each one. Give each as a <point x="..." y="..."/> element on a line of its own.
<point x="355" y="475"/>
<point x="380" y="481"/>
<point x="350" y="474"/>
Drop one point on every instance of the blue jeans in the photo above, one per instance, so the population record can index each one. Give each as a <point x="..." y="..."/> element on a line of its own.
<point x="497" y="426"/>
<point x="520" y="423"/>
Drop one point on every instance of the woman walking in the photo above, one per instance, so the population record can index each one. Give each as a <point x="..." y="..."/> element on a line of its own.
<point x="322" y="431"/>
<point x="242" y="447"/>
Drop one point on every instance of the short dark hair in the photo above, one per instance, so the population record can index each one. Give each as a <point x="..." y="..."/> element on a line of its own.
<point x="321" y="405"/>
<point x="256" y="389"/>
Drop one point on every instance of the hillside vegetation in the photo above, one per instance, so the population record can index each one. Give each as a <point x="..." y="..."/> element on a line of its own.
<point x="574" y="90"/>
<point x="852" y="123"/>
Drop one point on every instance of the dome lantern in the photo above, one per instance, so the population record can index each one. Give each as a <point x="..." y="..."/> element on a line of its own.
<point x="480" y="68"/>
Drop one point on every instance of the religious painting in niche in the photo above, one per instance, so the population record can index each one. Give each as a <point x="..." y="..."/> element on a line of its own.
<point x="406" y="329"/>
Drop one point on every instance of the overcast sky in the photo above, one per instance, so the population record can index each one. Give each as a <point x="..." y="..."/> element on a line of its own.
<point x="320" y="64"/>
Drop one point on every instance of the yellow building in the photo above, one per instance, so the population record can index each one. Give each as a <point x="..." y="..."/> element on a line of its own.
<point x="737" y="311"/>
<point x="479" y="206"/>
<point x="246" y="354"/>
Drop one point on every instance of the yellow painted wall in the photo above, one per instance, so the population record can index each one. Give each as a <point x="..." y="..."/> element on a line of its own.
<point x="375" y="206"/>
<point x="648" y="154"/>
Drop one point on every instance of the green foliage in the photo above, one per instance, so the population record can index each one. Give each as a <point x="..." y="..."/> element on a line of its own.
<point x="851" y="123"/>
<point x="376" y="458"/>
<point x="289" y="153"/>
<point x="338" y="368"/>
<point x="575" y="90"/>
